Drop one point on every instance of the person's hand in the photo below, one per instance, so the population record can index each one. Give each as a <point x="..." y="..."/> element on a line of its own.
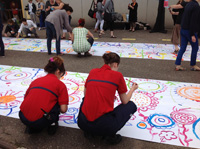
<point x="103" y="13"/>
<point x="5" y="35"/>
<point x="12" y="32"/>
<point x="134" y="86"/>
<point x="194" y="39"/>
<point x="31" y="28"/>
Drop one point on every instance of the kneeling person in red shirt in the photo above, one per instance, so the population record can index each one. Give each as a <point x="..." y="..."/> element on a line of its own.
<point x="97" y="114"/>
<point x="45" y="98"/>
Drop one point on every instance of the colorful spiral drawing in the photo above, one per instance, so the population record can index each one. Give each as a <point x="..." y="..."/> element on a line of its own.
<point x="160" y="121"/>
<point x="190" y="92"/>
<point x="183" y="118"/>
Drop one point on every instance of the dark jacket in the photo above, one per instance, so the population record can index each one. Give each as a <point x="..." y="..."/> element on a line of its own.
<point x="1" y="24"/>
<point x="190" y="17"/>
<point x="33" y="10"/>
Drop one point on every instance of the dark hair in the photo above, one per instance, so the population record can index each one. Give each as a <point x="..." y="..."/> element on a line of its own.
<point x="23" y="20"/>
<point x="11" y="21"/>
<point x="81" y="22"/>
<point x="55" y="63"/>
<point x="111" y="57"/>
<point x="99" y="1"/>
<point x="66" y="7"/>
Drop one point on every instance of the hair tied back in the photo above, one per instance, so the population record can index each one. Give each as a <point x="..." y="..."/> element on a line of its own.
<point x="51" y="59"/>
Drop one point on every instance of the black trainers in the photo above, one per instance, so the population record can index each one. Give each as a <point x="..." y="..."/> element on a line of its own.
<point x="29" y="130"/>
<point x="113" y="140"/>
<point x="52" y="128"/>
<point x="87" y="54"/>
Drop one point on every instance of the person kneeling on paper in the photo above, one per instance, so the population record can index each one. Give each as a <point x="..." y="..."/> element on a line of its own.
<point x="28" y="27"/>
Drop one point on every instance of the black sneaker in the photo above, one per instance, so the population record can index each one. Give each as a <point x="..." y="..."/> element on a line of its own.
<point x="52" y="128"/>
<point x="113" y="140"/>
<point x="29" y="130"/>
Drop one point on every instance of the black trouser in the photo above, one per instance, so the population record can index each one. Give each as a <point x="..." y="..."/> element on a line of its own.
<point x="1" y="45"/>
<point x="91" y="41"/>
<point x="109" y="123"/>
<point x="110" y="24"/>
<point x="43" y="122"/>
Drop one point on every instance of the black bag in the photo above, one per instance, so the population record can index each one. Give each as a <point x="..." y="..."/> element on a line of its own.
<point x="92" y="11"/>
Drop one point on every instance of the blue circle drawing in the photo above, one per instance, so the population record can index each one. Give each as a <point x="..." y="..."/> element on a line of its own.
<point x="160" y="121"/>
<point x="142" y="125"/>
<point x="194" y="128"/>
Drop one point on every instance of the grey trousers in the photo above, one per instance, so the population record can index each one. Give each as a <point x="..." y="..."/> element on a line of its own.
<point x="27" y="31"/>
<point x="33" y="17"/>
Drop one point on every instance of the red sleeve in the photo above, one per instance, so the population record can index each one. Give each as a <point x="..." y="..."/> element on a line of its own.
<point x="122" y="85"/>
<point x="63" y="97"/>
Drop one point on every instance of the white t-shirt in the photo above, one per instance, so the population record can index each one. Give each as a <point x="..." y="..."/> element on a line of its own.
<point x="29" y="25"/>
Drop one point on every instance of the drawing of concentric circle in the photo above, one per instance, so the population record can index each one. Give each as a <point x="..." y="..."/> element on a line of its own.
<point x="14" y="76"/>
<point x="186" y="95"/>
<point x="189" y="92"/>
<point x="183" y="118"/>
<point x="152" y="86"/>
<point x="160" y="121"/>
<point x="196" y="128"/>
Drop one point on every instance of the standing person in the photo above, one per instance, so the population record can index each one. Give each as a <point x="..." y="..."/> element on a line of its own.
<point x="1" y="41"/>
<point x="11" y="28"/>
<point x="99" y="17"/>
<point x="109" y="9"/>
<point x="49" y="7"/>
<point x="41" y="8"/>
<point x="2" y="10"/>
<point x="189" y="29"/>
<point x="79" y="39"/>
<point x="45" y="98"/>
<point x="28" y="27"/>
<point x="133" y="7"/>
<point x="59" y="7"/>
<point x="177" y="27"/>
<point x="14" y="8"/>
<point x="32" y="10"/>
<point x="97" y="115"/>
<point x="54" y="24"/>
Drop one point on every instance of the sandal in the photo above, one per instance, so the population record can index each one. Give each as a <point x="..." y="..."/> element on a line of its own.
<point x="176" y="51"/>
<point x="179" y="68"/>
<point x="195" y="68"/>
<point x="113" y="36"/>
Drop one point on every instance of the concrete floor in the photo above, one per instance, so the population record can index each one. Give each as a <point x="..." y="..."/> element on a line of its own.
<point x="12" y="130"/>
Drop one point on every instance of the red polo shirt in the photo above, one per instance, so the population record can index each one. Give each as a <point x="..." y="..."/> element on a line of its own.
<point x="101" y="86"/>
<point x="43" y="93"/>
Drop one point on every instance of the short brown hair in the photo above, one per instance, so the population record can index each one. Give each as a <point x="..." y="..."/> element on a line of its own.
<point x="55" y="63"/>
<point x="111" y="57"/>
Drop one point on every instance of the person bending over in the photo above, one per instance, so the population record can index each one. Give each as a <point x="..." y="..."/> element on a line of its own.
<point x="79" y="38"/>
<point x="12" y="29"/>
<point x="97" y="115"/>
<point x="45" y="98"/>
<point x="55" y="22"/>
<point x="28" y="27"/>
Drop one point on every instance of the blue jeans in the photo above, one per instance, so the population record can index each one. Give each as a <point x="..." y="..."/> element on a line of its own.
<point x="51" y="33"/>
<point x="42" y="19"/>
<point x="185" y="38"/>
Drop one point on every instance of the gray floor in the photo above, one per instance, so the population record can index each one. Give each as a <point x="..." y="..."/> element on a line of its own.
<point x="12" y="130"/>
